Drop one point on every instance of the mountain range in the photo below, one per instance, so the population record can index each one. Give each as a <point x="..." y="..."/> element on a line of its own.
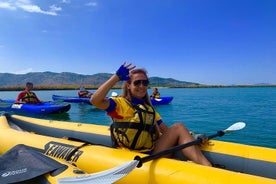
<point x="67" y="79"/>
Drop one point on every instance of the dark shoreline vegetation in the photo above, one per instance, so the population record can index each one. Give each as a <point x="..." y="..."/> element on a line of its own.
<point x="91" y="87"/>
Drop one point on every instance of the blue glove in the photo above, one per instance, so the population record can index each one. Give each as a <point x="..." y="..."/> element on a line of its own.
<point x="123" y="73"/>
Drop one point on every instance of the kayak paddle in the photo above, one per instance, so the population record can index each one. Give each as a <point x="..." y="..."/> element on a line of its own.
<point x="116" y="173"/>
<point x="234" y="127"/>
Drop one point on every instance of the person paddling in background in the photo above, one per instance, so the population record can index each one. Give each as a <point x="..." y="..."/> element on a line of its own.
<point x="136" y="125"/>
<point x="27" y="96"/>
<point x="155" y="93"/>
<point x="83" y="93"/>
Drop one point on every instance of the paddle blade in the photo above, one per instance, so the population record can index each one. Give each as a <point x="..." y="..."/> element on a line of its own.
<point x="105" y="177"/>
<point x="236" y="126"/>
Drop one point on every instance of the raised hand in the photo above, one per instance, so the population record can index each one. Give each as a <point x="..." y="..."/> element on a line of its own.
<point x="123" y="71"/>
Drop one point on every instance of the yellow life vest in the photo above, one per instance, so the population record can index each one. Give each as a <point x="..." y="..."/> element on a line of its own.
<point x="29" y="97"/>
<point x="157" y="95"/>
<point x="137" y="132"/>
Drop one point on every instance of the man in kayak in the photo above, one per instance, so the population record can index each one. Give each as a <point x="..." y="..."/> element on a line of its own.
<point x="136" y="125"/>
<point x="27" y="96"/>
<point x="155" y="93"/>
<point x="83" y="93"/>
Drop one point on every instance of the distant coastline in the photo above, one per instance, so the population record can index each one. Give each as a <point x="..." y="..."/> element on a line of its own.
<point x="73" y="81"/>
<point x="76" y="87"/>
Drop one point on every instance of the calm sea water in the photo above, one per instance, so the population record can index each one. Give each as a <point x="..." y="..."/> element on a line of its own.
<point x="202" y="110"/>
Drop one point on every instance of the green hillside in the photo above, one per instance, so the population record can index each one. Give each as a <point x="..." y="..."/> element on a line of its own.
<point x="69" y="80"/>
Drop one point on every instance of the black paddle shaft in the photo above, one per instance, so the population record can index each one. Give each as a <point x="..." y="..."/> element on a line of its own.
<point x="174" y="149"/>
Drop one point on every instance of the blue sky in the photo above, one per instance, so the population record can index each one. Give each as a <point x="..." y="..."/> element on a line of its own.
<point x="205" y="41"/>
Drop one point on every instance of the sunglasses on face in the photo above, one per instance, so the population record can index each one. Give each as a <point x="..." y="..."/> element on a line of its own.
<point x="138" y="82"/>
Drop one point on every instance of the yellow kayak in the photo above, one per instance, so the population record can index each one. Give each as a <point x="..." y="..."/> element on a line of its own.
<point x="23" y="164"/>
<point x="28" y="164"/>
<point x="88" y="147"/>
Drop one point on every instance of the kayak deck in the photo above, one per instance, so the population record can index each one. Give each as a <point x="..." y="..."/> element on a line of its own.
<point x="235" y="157"/>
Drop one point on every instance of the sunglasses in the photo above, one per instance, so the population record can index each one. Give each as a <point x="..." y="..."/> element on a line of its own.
<point x="138" y="82"/>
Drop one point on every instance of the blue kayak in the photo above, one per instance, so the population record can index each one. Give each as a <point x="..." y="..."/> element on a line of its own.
<point x="75" y="99"/>
<point x="162" y="100"/>
<point x="41" y="108"/>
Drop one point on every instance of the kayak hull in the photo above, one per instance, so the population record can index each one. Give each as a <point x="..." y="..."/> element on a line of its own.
<point x="75" y="99"/>
<point x="245" y="163"/>
<point x="21" y="163"/>
<point x="162" y="100"/>
<point x="71" y="99"/>
<point x="41" y="108"/>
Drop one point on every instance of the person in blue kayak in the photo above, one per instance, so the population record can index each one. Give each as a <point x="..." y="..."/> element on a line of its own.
<point x="155" y="93"/>
<point x="27" y="96"/>
<point x="136" y="125"/>
<point x="83" y="93"/>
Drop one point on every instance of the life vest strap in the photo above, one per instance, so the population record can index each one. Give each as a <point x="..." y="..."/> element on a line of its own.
<point x="138" y="126"/>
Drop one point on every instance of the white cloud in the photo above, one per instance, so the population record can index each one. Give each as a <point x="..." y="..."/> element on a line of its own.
<point x="91" y="4"/>
<point x="54" y="8"/>
<point x="66" y="1"/>
<point x="6" y="5"/>
<point x="28" y="6"/>
<point x="28" y="70"/>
